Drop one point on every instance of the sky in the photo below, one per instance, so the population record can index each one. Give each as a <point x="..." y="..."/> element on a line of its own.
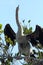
<point x="28" y="10"/>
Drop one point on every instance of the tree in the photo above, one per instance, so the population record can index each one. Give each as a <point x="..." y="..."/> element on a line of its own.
<point x="7" y="58"/>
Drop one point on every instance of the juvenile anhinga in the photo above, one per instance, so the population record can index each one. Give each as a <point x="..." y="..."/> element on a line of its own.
<point x="23" y="44"/>
<point x="23" y="40"/>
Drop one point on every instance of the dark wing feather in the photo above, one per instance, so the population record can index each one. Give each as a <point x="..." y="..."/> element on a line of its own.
<point x="33" y="37"/>
<point x="8" y="31"/>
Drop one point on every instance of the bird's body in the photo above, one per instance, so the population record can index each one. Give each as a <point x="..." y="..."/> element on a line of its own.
<point x="23" y="40"/>
<point x="23" y="44"/>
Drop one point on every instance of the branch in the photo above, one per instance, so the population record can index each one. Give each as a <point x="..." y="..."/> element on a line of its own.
<point x="27" y="59"/>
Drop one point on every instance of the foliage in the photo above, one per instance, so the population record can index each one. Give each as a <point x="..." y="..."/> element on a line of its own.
<point x="1" y="31"/>
<point x="0" y="26"/>
<point x="26" y="30"/>
<point x="8" y="40"/>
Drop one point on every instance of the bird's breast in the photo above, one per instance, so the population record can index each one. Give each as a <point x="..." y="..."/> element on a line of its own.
<point x="21" y="39"/>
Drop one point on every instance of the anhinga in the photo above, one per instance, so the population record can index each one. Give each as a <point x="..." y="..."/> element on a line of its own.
<point x="23" y="43"/>
<point x="23" y="40"/>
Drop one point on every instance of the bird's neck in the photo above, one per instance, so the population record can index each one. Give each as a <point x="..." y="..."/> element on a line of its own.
<point x="20" y="31"/>
<point x="20" y="28"/>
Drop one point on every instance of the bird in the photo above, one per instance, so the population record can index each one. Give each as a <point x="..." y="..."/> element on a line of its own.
<point x="23" y="43"/>
<point x="23" y="40"/>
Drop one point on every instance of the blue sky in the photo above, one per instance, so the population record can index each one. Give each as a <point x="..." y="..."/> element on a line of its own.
<point x="29" y="9"/>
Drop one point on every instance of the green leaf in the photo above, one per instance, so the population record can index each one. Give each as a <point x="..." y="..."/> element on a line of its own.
<point x="27" y="31"/>
<point x="7" y="62"/>
<point x="25" y="64"/>
<point x="0" y="26"/>
<point x="1" y="31"/>
<point x="9" y="41"/>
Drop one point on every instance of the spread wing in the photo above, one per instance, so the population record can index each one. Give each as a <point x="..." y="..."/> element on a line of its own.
<point x="33" y="37"/>
<point x="8" y="31"/>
